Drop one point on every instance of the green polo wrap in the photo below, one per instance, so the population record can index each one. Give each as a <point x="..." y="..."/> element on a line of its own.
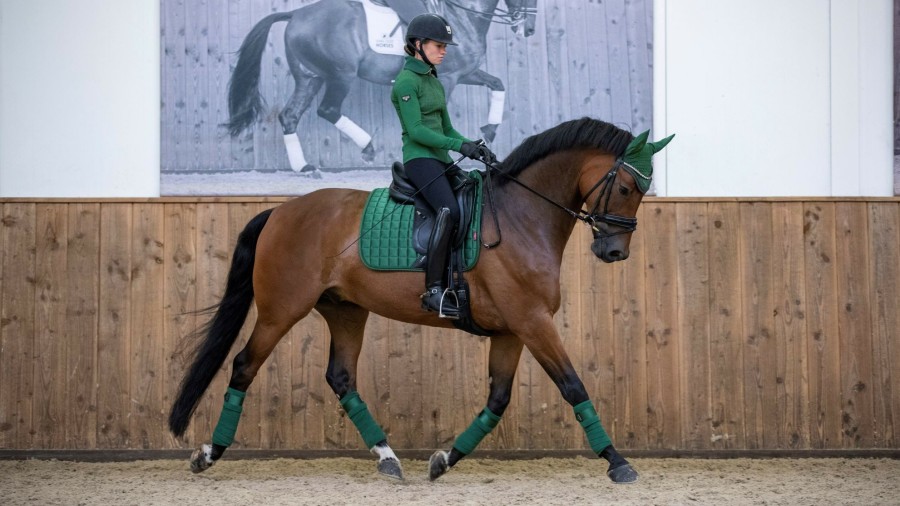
<point x="590" y="422"/>
<point x="481" y="426"/>
<point x="359" y="414"/>
<point x="228" y="420"/>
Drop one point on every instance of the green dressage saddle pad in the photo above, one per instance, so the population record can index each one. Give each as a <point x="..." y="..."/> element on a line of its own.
<point x="386" y="243"/>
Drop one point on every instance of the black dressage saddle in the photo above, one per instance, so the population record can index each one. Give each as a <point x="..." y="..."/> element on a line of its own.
<point x="403" y="191"/>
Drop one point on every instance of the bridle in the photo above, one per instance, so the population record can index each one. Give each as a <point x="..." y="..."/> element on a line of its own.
<point x="499" y="16"/>
<point x="591" y="218"/>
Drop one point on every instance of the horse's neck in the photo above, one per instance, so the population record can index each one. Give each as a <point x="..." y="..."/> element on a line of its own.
<point x="542" y="223"/>
<point x="479" y="23"/>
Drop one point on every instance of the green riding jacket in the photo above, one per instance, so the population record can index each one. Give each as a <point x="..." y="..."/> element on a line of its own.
<point x="421" y="105"/>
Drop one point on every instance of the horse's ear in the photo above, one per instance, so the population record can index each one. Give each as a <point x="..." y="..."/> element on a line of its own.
<point x="659" y="145"/>
<point x="638" y="143"/>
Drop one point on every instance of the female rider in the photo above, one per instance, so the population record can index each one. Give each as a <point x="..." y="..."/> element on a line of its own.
<point x="427" y="134"/>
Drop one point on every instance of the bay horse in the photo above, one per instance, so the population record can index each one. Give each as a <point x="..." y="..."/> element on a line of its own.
<point x="295" y="258"/>
<point x="326" y="43"/>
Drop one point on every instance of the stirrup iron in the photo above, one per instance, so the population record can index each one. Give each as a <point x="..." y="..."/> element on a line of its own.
<point x="441" y="307"/>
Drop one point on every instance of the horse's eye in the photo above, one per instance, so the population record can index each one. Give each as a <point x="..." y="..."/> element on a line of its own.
<point x="623" y="190"/>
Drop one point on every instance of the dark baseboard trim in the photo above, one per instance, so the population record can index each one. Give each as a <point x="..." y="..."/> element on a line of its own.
<point x="238" y="454"/>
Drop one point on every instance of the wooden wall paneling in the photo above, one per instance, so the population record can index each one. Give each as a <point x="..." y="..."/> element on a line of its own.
<point x="758" y="257"/>
<point x="440" y="401"/>
<point x="726" y="341"/>
<point x="598" y="51"/>
<point x="113" y="343"/>
<point x="214" y="251"/>
<point x="789" y="293"/>
<point x="17" y="325"/>
<point x="405" y="384"/>
<point x="664" y="418"/>
<point x="499" y="39"/>
<point x="884" y="273"/>
<point x="148" y="425"/>
<point x="568" y="325"/>
<point x="50" y="403"/>
<point x="598" y="362"/>
<point x="557" y="86"/>
<point x="630" y="329"/>
<point x="854" y="325"/>
<point x="180" y="249"/>
<point x="219" y="154"/>
<point x="82" y="261"/>
<point x="309" y="358"/>
<point x="693" y="321"/>
<point x="617" y="56"/>
<point x="174" y="111"/>
<point x="640" y="74"/>
<point x="197" y="84"/>
<point x="822" y="339"/>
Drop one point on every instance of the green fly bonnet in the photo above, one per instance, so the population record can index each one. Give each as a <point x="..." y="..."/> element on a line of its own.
<point x="636" y="159"/>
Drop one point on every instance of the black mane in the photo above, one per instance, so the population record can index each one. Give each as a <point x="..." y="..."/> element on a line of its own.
<point x="579" y="133"/>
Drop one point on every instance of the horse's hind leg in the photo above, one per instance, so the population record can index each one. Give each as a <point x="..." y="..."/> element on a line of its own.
<point x="347" y="324"/>
<point x="305" y="89"/>
<point x="267" y="332"/>
<point x="336" y="90"/>
<point x="502" y="364"/>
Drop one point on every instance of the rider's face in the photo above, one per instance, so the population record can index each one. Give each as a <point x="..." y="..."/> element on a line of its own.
<point x="435" y="51"/>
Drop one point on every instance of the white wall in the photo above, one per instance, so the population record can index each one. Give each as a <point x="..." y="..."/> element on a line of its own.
<point x="79" y="98"/>
<point x="774" y="97"/>
<point x="768" y="97"/>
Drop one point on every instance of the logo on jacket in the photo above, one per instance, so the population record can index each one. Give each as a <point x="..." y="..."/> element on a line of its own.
<point x="405" y="98"/>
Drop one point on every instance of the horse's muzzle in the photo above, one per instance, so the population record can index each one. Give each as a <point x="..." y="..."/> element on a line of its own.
<point x="610" y="249"/>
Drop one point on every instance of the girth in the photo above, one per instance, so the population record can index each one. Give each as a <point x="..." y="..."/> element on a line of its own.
<point x="403" y="191"/>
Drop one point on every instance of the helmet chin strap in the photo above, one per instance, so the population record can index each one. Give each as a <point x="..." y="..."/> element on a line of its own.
<point x="421" y="52"/>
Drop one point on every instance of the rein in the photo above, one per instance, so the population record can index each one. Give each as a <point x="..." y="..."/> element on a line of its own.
<point x="510" y="17"/>
<point x="590" y="218"/>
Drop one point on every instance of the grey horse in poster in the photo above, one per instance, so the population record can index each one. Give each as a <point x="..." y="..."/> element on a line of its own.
<point x="326" y="43"/>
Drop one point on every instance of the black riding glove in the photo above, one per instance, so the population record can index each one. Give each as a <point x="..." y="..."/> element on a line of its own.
<point x="478" y="152"/>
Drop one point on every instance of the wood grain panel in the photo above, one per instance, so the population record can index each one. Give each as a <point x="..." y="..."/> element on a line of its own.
<point x="82" y="260"/>
<point x="854" y="325"/>
<point x="664" y="416"/>
<point x="884" y="224"/>
<point x="114" y="329"/>
<point x="17" y="325"/>
<point x="735" y="324"/>
<point x="725" y="326"/>
<point x="50" y="403"/>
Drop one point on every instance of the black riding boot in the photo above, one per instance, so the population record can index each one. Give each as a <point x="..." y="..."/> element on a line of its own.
<point x="435" y="268"/>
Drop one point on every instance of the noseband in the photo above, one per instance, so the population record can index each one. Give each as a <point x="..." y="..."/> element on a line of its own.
<point x="591" y="218"/>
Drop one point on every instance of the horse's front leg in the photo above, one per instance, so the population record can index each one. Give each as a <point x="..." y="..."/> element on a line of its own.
<point x="498" y="98"/>
<point x="347" y="323"/>
<point x="547" y="348"/>
<point x="502" y="363"/>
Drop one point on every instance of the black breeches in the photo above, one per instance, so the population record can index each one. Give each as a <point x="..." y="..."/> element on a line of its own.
<point x="438" y="193"/>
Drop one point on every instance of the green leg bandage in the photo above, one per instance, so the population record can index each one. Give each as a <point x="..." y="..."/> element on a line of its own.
<point x="481" y="426"/>
<point x="359" y="414"/>
<point x="228" y="420"/>
<point x="590" y="422"/>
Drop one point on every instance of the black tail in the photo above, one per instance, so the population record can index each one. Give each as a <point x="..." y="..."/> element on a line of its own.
<point x="222" y="329"/>
<point x="244" y="100"/>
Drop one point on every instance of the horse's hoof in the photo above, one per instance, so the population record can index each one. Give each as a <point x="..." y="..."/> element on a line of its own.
<point x="311" y="172"/>
<point x="201" y="459"/>
<point x="390" y="468"/>
<point x="437" y="465"/>
<point x="623" y="474"/>
<point x="368" y="153"/>
<point x="489" y="132"/>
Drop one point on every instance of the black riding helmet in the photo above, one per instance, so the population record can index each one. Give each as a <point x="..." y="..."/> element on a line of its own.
<point x="429" y="26"/>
